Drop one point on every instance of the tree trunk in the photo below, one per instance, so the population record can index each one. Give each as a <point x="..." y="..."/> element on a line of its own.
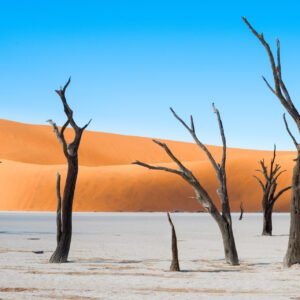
<point x="225" y="225"/>
<point x="231" y="255"/>
<point x="267" y="225"/>
<point x="61" y="253"/>
<point x="58" y="211"/>
<point x="175" y="262"/>
<point x="293" y="252"/>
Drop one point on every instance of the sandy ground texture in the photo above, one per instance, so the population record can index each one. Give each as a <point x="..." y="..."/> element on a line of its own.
<point x="107" y="181"/>
<point x="127" y="256"/>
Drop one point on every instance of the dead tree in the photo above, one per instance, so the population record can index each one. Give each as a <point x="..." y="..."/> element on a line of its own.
<point x="65" y="203"/>
<point x="280" y="91"/>
<point x="241" y="211"/>
<point x="269" y="186"/>
<point x="223" y="219"/>
<point x="175" y="262"/>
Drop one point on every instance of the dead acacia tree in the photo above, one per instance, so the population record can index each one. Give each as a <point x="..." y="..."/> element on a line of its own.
<point x="269" y="186"/>
<point x="280" y="91"/>
<point x="223" y="219"/>
<point x="175" y="262"/>
<point x="65" y="203"/>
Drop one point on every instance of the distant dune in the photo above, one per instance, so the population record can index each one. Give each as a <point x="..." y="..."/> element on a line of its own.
<point x="31" y="156"/>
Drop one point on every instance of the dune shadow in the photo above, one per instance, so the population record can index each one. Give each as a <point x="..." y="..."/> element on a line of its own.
<point x="280" y="235"/>
<point x="210" y="261"/>
<point x="270" y="236"/>
<point x="211" y="271"/>
<point x="20" y="232"/>
<point x="107" y="261"/>
<point x="258" y="264"/>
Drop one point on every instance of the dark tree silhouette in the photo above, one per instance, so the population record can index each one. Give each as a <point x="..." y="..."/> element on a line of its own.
<point x="65" y="204"/>
<point x="269" y="186"/>
<point x="223" y="219"/>
<point x="280" y="91"/>
<point x="175" y="261"/>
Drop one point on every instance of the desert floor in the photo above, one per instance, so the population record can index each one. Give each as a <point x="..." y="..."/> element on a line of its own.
<point x="127" y="256"/>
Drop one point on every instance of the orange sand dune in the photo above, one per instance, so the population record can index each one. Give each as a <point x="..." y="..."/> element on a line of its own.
<point x="31" y="156"/>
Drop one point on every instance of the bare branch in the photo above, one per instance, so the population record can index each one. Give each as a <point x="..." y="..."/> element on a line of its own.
<point x="171" y="155"/>
<point x="153" y="167"/>
<point x="68" y="148"/>
<point x="272" y="162"/>
<point x="187" y="175"/>
<point x="280" y="89"/>
<point x="67" y="84"/>
<point x="68" y="111"/>
<point x="289" y="132"/>
<point x="268" y="85"/>
<point x="270" y="54"/>
<point x="271" y="191"/>
<point x="216" y="111"/>
<point x="64" y="128"/>
<point x="86" y="125"/>
<point x="264" y="169"/>
<point x="276" y="169"/>
<point x="56" y="130"/>
<point x="260" y="182"/>
<point x="276" y="177"/>
<point x="192" y="124"/>
<point x="282" y="85"/>
<point x="60" y="134"/>
<point x="278" y="58"/>
<point x="281" y="192"/>
<point x="180" y="120"/>
<point x="198" y="142"/>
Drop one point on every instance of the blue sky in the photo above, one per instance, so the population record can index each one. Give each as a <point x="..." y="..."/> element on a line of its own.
<point x="131" y="60"/>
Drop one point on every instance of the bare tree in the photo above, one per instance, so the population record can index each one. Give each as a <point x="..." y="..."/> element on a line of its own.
<point x="241" y="211"/>
<point x="269" y="186"/>
<point x="65" y="203"/>
<point x="175" y="262"/>
<point x="280" y="91"/>
<point x="223" y="219"/>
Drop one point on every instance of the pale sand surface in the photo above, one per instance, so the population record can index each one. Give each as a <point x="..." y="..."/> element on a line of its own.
<point x="127" y="256"/>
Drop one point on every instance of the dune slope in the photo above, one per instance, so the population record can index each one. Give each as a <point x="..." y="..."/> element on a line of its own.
<point x="31" y="156"/>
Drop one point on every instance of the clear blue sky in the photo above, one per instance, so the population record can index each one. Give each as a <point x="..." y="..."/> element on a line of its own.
<point x="131" y="60"/>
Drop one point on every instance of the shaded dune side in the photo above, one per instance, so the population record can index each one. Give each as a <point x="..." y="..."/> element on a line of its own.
<point x="107" y="181"/>
<point x="31" y="187"/>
